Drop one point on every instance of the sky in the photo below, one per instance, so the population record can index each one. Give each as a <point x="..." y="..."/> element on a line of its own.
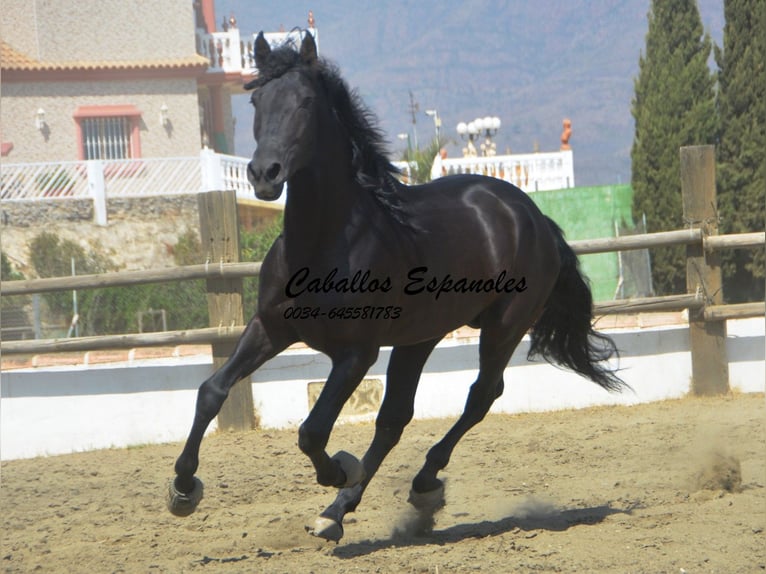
<point x="573" y="58"/>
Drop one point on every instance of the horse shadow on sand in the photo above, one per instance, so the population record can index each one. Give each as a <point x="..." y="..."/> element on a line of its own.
<point x="417" y="529"/>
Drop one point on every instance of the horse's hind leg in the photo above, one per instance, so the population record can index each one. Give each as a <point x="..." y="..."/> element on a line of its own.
<point x="396" y="411"/>
<point x="498" y="340"/>
<point x="254" y="348"/>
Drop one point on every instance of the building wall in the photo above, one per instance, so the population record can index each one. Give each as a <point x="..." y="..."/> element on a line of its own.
<point x="61" y="99"/>
<point x="18" y="25"/>
<point x="113" y="30"/>
<point x="229" y="120"/>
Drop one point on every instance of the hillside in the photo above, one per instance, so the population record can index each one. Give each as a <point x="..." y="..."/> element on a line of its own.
<point x="530" y="63"/>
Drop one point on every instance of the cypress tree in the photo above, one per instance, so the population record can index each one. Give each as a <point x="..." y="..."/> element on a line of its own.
<point x="742" y="147"/>
<point x="673" y="106"/>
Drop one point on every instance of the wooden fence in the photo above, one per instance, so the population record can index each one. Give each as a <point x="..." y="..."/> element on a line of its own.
<point x="707" y="313"/>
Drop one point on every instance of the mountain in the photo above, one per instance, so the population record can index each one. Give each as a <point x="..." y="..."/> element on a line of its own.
<point x="530" y="63"/>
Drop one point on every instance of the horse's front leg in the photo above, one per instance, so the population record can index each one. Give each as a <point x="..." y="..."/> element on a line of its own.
<point x="347" y="371"/>
<point x="256" y="346"/>
<point x="402" y="377"/>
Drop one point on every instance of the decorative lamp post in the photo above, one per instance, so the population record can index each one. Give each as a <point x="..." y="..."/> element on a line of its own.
<point x="489" y="125"/>
<point x="434" y="114"/>
<point x="468" y="131"/>
<point x="472" y="130"/>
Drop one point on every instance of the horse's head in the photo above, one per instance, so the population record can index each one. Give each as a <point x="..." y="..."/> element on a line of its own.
<point x="284" y="126"/>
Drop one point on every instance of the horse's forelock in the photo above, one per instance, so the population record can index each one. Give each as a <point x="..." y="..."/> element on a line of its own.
<point x="280" y="61"/>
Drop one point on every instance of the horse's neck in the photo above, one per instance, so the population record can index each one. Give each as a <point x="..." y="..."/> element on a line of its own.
<point x="318" y="208"/>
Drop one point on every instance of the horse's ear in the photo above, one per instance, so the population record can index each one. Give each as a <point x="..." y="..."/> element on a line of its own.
<point x="262" y="50"/>
<point x="308" y="48"/>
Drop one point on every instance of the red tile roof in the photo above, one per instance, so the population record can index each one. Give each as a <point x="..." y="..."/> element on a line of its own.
<point x="12" y="59"/>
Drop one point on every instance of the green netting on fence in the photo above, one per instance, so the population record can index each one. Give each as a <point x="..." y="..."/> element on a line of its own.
<point x="589" y="213"/>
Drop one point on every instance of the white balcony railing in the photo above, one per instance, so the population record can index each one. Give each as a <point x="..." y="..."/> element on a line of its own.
<point x="230" y="51"/>
<point x="98" y="180"/>
<point x="531" y="172"/>
<point x="80" y="179"/>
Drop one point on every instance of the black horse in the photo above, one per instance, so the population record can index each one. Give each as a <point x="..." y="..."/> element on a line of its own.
<point x="365" y="261"/>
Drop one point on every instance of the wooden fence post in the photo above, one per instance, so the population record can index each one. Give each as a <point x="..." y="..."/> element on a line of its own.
<point x="219" y="232"/>
<point x="710" y="367"/>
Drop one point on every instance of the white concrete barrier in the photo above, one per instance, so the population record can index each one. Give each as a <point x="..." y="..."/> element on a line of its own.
<point x="45" y="411"/>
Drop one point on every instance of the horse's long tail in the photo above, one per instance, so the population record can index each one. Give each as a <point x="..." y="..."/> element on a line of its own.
<point x="564" y="332"/>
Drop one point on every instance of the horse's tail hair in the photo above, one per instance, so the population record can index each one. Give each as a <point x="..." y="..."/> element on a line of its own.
<point x="564" y="332"/>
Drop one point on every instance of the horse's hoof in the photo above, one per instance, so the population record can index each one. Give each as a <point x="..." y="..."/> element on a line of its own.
<point x="182" y="504"/>
<point x="430" y="501"/>
<point x="351" y="467"/>
<point x="326" y="528"/>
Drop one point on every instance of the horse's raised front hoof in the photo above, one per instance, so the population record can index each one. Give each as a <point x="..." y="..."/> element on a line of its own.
<point x="430" y="501"/>
<point x="351" y="467"/>
<point x="326" y="528"/>
<point x="182" y="504"/>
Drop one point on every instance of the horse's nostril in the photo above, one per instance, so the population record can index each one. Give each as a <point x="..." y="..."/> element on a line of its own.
<point x="273" y="172"/>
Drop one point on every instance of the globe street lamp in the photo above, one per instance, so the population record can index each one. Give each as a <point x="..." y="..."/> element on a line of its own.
<point x="471" y="131"/>
<point x="489" y="125"/>
<point x="468" y="131"/>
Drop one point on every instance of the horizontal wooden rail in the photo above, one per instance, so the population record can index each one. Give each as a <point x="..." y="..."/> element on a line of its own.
<point x="205" y="336"/>
<point x="233" y="270"/>
<point x="228" y="334"/>
<point x="735" y="311"/>
<point x="736" y="240"/>
<point x="666" y="239"/>
<point x="643" y="241"/>
<point x="648" y="304"/>
<point x="212" y="335"/>
<point x="126" y="278"/>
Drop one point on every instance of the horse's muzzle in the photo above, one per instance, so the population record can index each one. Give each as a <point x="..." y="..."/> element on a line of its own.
<point x="267" y="184"/>
<point x="267" y="191"/>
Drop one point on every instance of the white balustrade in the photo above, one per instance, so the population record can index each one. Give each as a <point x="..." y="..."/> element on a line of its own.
<point x="228" y="52"/>
<point x="49" y="181"/>
<point x="101" y="179"/>
<point x="531" y="172"/>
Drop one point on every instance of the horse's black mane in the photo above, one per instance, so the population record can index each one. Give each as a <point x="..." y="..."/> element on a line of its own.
<point x="372" y="166"/>
<point x="361" y="124"/>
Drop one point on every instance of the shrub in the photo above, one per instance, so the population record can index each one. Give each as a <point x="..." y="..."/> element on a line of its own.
<point x="115" y="309"/>
<point x="9" y="273"/>
<point x="254" y="246"/>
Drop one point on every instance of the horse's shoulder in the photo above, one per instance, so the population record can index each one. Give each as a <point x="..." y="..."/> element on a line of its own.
<point x="274" y="271"/>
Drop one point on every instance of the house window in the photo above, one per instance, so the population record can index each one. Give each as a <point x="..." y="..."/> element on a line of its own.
<point x="108" y="132"/>
<point x="106" y="138"/>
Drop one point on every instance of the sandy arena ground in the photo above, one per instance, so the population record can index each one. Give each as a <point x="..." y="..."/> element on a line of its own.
<point x="669" y="487"/>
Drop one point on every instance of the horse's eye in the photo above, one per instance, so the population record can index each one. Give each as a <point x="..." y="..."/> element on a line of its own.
<point x="306" y="102"/>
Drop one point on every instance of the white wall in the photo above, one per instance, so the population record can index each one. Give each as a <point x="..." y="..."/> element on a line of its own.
<point x="66" y="409"/>
<point x="60" y="410"/>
